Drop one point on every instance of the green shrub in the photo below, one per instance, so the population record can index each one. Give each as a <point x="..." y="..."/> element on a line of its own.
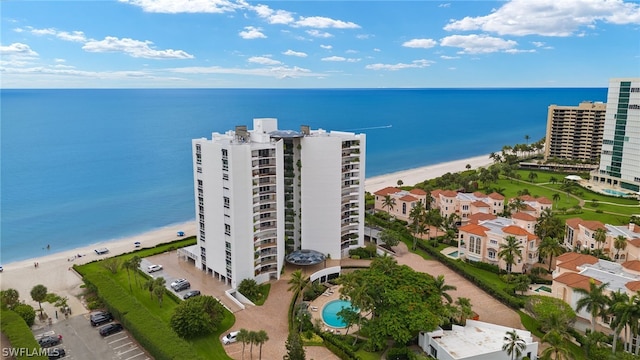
<point x="19" y="335"/>
<point x="26" y="312"/>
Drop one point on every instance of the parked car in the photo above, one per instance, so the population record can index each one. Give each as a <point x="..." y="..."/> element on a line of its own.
<point x="111" y="329"/>
<point x="230" y="337"/>
<point x="56" y="353"/>
<point x="49" y="341"/>
<point x="1" y="268"/>
<point x="154" y="268"/>
<point x="180" y="284"/>
<point x="100" y="318"/>
<point x="191" y="294"/>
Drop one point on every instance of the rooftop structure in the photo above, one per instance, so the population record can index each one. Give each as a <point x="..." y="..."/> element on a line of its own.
<point x="476" y="340"/>
<point x="403" y="201"/>
<point x="464" y="205"/>
<point x="580" y="234"/>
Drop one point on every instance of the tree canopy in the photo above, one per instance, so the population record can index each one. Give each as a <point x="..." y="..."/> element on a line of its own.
<point x="197" y="316"/>
<point x="399" y="300"/>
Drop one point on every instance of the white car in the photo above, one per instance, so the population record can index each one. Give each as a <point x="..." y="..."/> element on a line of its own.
<point x="177" y="282"/>
<point x="230" y="338"/>
<point x="154" y="268"/>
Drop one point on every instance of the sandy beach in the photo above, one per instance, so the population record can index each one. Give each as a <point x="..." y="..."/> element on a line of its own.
<point x="54" y="272"/>
<point x="413" y="176"/>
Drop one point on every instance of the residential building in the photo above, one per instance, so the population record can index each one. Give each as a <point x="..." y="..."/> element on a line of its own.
<point x="575" y="132"/>
<point x="260" y="193"/>
<point x="403" y="201"/>
<point x="476" y="340"/>
<point x="466" y="204"/>
<point x="481" y="241"/>
<point x="533" y="206"/>
<point x="577" y="271"/>
<point x="620" y="156"/>
<point x="580" y="234"/>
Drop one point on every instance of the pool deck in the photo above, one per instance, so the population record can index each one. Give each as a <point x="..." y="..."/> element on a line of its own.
<point x="332" y="293"/>
<point x="449" y="250"/>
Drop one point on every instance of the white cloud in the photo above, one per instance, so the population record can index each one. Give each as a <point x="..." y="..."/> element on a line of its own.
<point x="537" y="43"/>
<point x="319" y="34"/>
<point x="274" y="16"/>
<point x="49" y="31"/>
<point x="185" y="6"/>
<point x="446" y="57"/>
<point x="280" y="72"/>
<point x="351" y="51"/>
<point x="75" y="36"/>
<point x="340" y="59"/>
<point x="17" y="49"/>
<point x="320" y="22"/>
<point x="478" y="44"/>
<point x="294" y="53"/>
<point x="400" y="66"/>
<point x="263" y="60"/>
<point x="251" y="32"/>
<point x="444" y="5"/>
<point x="363" y="36"/>
<point x="420" y="43"/>
<point x="134" y="48"/>
<point x="376" y="50"/>
<point x="59" y="60"/>
<point x="326" y="47"/>
<point x="550" y="17"/>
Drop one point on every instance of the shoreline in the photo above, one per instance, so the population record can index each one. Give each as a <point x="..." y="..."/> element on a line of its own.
<point x="413" y="176"/>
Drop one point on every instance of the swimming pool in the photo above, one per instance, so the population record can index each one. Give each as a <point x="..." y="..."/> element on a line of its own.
<point x="614" y="192"/>
<point x="543" y="288"/>
<point x="330" y="313"/>
<point x="454" y="254"/>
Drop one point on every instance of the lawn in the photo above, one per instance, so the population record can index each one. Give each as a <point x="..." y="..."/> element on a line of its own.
<point x="207" y="346"/>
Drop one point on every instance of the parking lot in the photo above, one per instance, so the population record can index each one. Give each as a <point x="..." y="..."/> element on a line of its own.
<point x="82" y="341"/>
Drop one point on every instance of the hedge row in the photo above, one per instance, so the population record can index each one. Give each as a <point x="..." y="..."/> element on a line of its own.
<point x="150" y="331"/>
<point x="20" y="336"/>
<point x="337" y="347"/>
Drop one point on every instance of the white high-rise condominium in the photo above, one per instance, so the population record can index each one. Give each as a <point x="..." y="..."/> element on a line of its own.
<point x="620" y="156"/>
<point x="263" y="192"/>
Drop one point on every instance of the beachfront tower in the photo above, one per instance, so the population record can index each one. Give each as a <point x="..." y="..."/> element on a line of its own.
<point x="620" y="156"/>
<point x="262" y="193"/>
<point x="575" y="132"/>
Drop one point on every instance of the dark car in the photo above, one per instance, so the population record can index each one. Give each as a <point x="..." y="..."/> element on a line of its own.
<point x="182" y="286"/>
<point x="191" y="294"/>
<point x="56" y="353"/>
<point x="49" y="341"/>
<point x="110" y="329"/>
<point x="100" y="318"/>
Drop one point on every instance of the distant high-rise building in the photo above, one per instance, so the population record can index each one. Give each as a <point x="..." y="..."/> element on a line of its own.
<point x="261" y="193"/>
<point x="575" y="132"/>
<point x="620" y="156"/>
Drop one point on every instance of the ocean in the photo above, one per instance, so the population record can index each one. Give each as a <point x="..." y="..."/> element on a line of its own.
<point x="83" y="166"/>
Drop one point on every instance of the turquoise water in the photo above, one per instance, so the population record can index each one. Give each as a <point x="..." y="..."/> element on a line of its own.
<point x="330" y="313"/>
<point x="614" y="192"/>
<point x="454" y="254"/>
<point x="543" y="288"/>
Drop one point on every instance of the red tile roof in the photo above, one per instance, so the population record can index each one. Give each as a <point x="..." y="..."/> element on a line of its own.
<point x="387" y="191"/>
<point x="496" y="196"/>
<point x="634" y="242"/>
<point x="574" y="280"/>
<point x="514" y="230"/>
<point x="474" y="229"/>
<point x="479" y="194"/>
<point x="409" y="198"/>
<point x="544" y="200"/>
<point x="479" y="203"/>
<point x="572" y="260"/>
<point x="589" y="224"/>
<point x="523" y="216"/>
<point x="477" y="217"/>
<point x="633" y="285"/>
<point x="633" y="265"/>
<point x="419" y="192"/>
<point x="449" y="193"/>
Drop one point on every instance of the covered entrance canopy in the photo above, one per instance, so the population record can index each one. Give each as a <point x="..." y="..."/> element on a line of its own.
<point x="305" y="257"/>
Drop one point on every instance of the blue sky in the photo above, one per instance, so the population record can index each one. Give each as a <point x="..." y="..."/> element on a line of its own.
<point x="317" y="44"/>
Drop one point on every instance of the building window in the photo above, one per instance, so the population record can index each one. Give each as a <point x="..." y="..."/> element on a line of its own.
<point x="491" y="254"/>
<point x="225" y="164"/>
<point x="225" y="176"/>
<point x="404" y="208"/>
<point x="227" y="229"/>
<point x="478" y="244"/>
<point x="226" y="202"/>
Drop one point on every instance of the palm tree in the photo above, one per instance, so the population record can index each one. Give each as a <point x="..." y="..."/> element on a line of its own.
<point x="417" y="217"/>
<point x="297" y="282"/>
<point x="388" y="203"/>
<point x="442" y="288"/>
<point x="620" y="310"/>
<point x="261" y="338"/>
<point x="135" y="265"/>
<point x="550" y="247"/>
<point x="464" y="310"/>
<point x="158" y="288"/>
<point x="252" y="340"/>
<point x="600" y="236"/>
<point x="619" y="243"/>
<point x="514" y="345"/>
<point x="149" y="285"/>
<point x="509" y="251"/>
<point x="532" y="176"/>
<point x="127" y="264"/>
<point x="556" y="198"/>
<point x="593" y="300"/>
<point x="527" y="138"/>
<point x="557" y="346"/>
<point x="243" y="337"/>
<point x="517" y="204"/>
<point x="553" y="180"/>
